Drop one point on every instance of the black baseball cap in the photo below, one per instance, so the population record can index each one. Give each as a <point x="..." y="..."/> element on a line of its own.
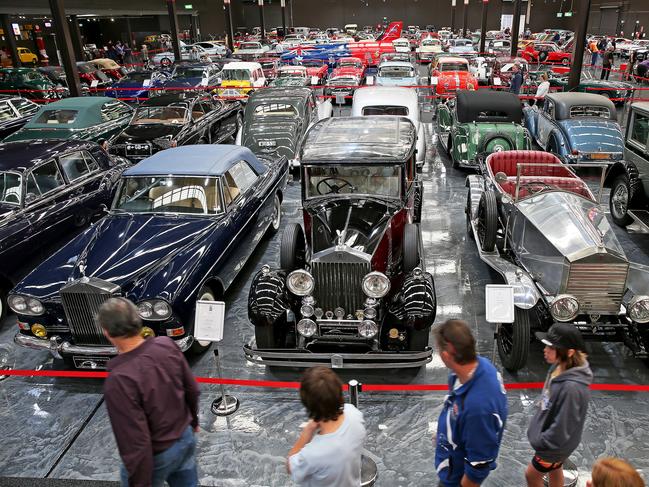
<point x="562" y="335"/>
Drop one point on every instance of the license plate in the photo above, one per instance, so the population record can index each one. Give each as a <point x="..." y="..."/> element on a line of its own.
<point x="231" y="93"/>
<point x="90" y="363"/>
<point x="600" y="155"/>
<point x="137" y="147"/>
<point x="267" y="143"/>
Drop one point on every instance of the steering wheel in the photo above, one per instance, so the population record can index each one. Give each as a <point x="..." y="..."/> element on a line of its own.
<point x="14" y="196"/>
<point x="533" y="187"/>
<point x="334" y="188"/>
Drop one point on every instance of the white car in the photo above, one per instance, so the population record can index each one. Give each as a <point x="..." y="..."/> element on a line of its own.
<point x="389" y="100"/>
<point x="427" y="49"/>
<point x="460" y="46"/>
<point x="213" y="48"/>
<point x="187" y="53"/>
<point x="445" y="35"/>
<point x="401" y="44"/>
<point x="291" y="41"/>
<point x="251" y="50"/>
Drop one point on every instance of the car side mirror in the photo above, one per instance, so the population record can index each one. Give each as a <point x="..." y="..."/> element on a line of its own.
<point x="103" y="209"/>
<point x="30" y="197"/>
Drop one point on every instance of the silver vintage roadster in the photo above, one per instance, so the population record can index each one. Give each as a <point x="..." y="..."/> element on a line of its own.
<point x="539" y="225"/>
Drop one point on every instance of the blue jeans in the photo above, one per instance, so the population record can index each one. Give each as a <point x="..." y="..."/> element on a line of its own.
<point x="176" y="465"/>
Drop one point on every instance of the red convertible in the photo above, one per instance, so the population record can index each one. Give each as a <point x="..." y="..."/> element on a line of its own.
<point x="449" y="74"/>
<point x="545" y="52"/>
<point x="317" y="70"/>
<point x="350" y="66"/>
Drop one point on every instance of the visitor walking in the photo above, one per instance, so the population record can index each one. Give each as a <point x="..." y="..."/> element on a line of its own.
<point x="517" y="79"/>
<point x="594" y="53"/>
<point x="472" y="421"/>
<point x="556" y="428"/>
<point x="152" y="401"/>
<point x="614" y="472"/>
<point x="607" y="63"/>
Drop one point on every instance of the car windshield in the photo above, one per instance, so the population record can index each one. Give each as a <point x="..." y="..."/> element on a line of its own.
<point x="164" y="115"/>
<point x="57" y="117"/>
<point x="139" y="77"/>
<point x="386" y="110"/>
<point x="236" y="74"/>
<point x="250" y="45"/>
<point x="371" y="180"/>
<point x="169" y="194"/>
<point x="6" y="112"/>
<point x="350" y="64"/>
<point x="188" y="72"/>
<point x="267" y="65"/>
<point x="275" y="110"/>
<point x="396" y="72"/>
<point x="292" y="73"/>
<point x="10" y="187"/>
<point x="453" y="67"/>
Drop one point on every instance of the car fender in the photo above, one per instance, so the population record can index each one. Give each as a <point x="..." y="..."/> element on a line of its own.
<point x="563" y="144"/>
<point x="530" y="117"/>
<point x="421" y="144"/>
<point x="325" y="109"/>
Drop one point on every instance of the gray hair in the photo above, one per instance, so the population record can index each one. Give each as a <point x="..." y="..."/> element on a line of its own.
<point x="119" y="317"/>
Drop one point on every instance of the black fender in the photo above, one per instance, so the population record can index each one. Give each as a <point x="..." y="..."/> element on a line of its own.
<point x="416" y="304"/>
<point x="268" y="299"/>
<point x="631" y="171"/>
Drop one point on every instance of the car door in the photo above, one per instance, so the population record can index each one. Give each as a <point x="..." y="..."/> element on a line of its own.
<point x="84" y="176"/>
<point x="115" y="116"/>
<point x="194" y="133"/>
<point x="545" y="123"/>
<point x="637" y="145"/>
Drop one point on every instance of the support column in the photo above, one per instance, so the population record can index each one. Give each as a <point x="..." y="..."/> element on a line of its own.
<point x="580" y="44"/>
<point x="261" y="19"/>
<point x="11" y="40"/>
<point x="466" y="15"/>
<point x="192" y="28"/>
<point x="453" y="8"/>
<point x="129" y="33"/>
<point x="173" y="25"/>
<point x="228" y="24"/>
<point x="65" y="46"/>
<point x="483" y="27"/>
<point x="516" y="24"/>
<point x="283" y="4"/>
<point x="76" y="37"/>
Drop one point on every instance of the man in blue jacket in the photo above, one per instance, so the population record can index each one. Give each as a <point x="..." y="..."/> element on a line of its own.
<point x="472" y="422"/>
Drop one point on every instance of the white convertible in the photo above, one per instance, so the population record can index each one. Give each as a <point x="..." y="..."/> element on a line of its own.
<point x="427" y="49"/>
<point x="389" y="100"/>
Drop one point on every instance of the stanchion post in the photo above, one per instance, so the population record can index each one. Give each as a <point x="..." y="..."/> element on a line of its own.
<point x="354" y="388"/>
<point x="483" y="27"/>
<point x="466" y="16"/>
<point x="453" y="7"/>
<point x="369" y="472"/>
<point x="225" y="404"/>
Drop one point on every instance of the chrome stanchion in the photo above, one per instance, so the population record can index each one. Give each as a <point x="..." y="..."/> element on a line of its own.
<point x="225" y="404"/>
<point x="369" y="472"/>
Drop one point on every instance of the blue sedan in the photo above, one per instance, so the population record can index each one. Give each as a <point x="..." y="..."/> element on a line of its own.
<point x="137" y="84"/>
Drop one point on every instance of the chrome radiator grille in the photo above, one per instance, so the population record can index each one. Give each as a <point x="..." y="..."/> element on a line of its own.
<point x="81" y="301"/>
<point x="598" y="287"/>
<point x="339" y="284"/>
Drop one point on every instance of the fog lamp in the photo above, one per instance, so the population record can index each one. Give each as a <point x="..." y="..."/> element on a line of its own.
<point x="370" y="313"/>
<point x="564" y="308"/>
<point x="306" y="327"/>
<point x="147" y="332"/>
<point x="639" y="309"/>
<point x="39" y="330"/>
<point x="306" y="310"/>
<point x="368" y="329"/>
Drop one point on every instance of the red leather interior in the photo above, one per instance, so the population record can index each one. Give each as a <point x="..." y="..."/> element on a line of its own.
<point x="574" y="185"/>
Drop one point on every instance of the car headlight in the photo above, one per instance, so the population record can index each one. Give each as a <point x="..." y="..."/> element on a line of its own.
<point x="376" y="285"/>
<point x="639" y="309"/>
<point x="368" y="329"/>
<point x="306" y="327"/>
<point x="300" y="282"/>
<point x="564" y="308"/>
<point x="25" y="305"/>
<point x="155" y="309"/>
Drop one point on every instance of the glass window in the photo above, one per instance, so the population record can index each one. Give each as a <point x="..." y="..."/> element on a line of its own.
<point x="197" y="111"/>
<point x="275" y="110"/>
<point x="640" y="129"/>
<point x="396" y="72"/>
<point x="236" y="74"/>
<point x="44" y="179"/>
<point x="453" y="67"/>
<point x="589" y="111"/>
<point x="161" y="115"/>
<point x="386" y="110"/>
<point x="6" y="112"/>
<point x="113" y="110"/>
<point x="75" y="165"/>
<point x="370" y="180"/>
<point x="239" y="179"/>
<point x="24" y="107"/>
<point x="10" y="188"/>
<point x="57" y="117"/>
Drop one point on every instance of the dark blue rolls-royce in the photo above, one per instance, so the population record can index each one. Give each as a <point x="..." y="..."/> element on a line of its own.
<point x="182" y="224"/>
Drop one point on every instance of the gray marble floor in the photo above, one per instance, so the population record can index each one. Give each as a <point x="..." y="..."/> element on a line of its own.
<point x="58" y="428"/>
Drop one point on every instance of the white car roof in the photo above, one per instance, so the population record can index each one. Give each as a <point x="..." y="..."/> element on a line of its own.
<point x="386" y="95"/>
<point x="242" y="65"/>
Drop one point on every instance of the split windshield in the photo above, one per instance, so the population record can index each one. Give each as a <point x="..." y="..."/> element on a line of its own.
<point x="164" y="115"/>
<point x="453" y="67"/>
<point x="372" y="180"/>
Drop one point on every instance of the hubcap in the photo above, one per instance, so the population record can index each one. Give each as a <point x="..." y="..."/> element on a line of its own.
<point x="277" y="213"/>
<point x="620" y="201"/>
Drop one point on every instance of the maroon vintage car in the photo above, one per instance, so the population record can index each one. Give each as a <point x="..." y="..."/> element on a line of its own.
<point x="351" y="287"/>
<point x="110" y="68"/>
<point x="270" y="65"/>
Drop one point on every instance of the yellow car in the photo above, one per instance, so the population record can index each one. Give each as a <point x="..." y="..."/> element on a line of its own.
<point x="150" y="39"/>
<point x="27" y="57"/>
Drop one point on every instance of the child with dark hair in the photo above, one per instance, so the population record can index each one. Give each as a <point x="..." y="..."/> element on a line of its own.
<point x="328" y="451"/>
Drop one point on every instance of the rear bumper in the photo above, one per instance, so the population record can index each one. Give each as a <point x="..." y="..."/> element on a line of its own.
<point x="291" y="357"/>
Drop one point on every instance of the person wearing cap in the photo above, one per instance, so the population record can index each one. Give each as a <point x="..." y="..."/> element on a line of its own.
<point x="556" y="428"/>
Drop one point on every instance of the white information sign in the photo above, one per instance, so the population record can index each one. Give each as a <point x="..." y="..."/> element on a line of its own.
<point x="209" y="321"/>
<point x="94" y="83"/>
<point x="340" y="99"/>
<point x="146" y="82"/>
<point x="499" y="303"/>
<point x="497" y="81"/>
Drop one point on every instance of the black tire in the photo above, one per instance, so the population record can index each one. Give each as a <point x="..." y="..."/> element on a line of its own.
<point x="197" y="347"/>
<point x="411" y="257"/>
<point x="276" y="219"/>
<point x="418" y="339"/>
<point x="292" y="251"/>
<point x="513" y="341"/>
<point x="619" y="200"/>
<point x="488" y="221"/>
<point x="467" y="211"/>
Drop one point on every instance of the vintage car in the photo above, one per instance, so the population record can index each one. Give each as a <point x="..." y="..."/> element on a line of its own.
<point x="110" y="68"/>
<point x="239" y="78"/>
<point x="450" y="74"/>
<point x="26" y="56"/>
<point x="499" y="47"/>
<point x="138" y="85"/>
<point x="427" y="48"/>
<point x="14" y="113"/>
<point x="91" y="77"/>
<point x="47" y="188"/>
<point x="190" y="76"/>
<point x="395" y="56"/>
<point x="35" y="85"/>
<point x="577" y="127"/>
<point x="538" y="225"/>
<point x="394" y="101"/>
<point x="460" y="46"/>
<point x="291" y="76"/>
<point x="481" y="67"/>
<point x="212" y="48"/>
<point x="177" y="119"/>
<point x="398" y="73"/>
<point x="182" y="225"/>
<point x="277" y="119"/>
<point x="95" y="118"/>
<point x="401" y="45"/>
<point x="269" y="65"/>
<point x="251" y="50"/>
<point x="317" y="70"/>
<point x="547" y="53"/>
<point x="477" y="123"/>
<point x="348" y="75"/>
<point x="187" y="53"/>
<point x="351" y="289"/>
<point x="503" y="70"/>
<point x="618" y="91"/>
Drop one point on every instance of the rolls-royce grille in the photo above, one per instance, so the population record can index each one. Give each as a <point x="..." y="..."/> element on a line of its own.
<point x="81" y="302"/>
<point x="598" y="287"/>
<point x="339" y="285"/>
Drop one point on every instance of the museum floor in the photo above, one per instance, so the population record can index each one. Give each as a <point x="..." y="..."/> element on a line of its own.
<point x="58" y="428"/>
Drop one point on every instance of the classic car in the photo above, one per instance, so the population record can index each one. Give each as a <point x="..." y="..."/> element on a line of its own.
<point x="398" y="73"/>
<point x="577" y="127"/>
<point x="277" y="119"/>
<point x="394" y="101"/>
<point x="82" y="118"/>
<point x="35" y="85"/>
<point x="110" y="68"/>
<point x="618" y="91"/>
<point x="187" y="53"/>
<point x="401" y="45"/>
<point x="90" y="76"/>
<point x="251" y="50"/>
<point x="177" y="119"/>
<point x="395" y="56"/>
<point x="546" y="52"/>
<point x="460" y="46"/>
<point x="238" y="79"/>
<point x="190" y="76"/>
<point x="270" y="65"/>
<point x="427" y="48"/>
<point x="213" y="48"/>
<point x="502" y="72"/>
<point x="481" y="67"/>
<point x="351" y="288"/>
<point x="345" y="78"/>
<point x="449" y="74"/>
<point x="14" y="113"/>
<point x="499" y="46"/>
<point x="56" y="74"/>
<point x="182" y="224"/>
<point x="291" y="76"/>
<point x="538" y="225"/>
<point x="47" y="188"/>
<point x="26" y="56"/>
<point x="317" y="70"/>
<point x="137" y="85"/>
<point x="477" y="123"/>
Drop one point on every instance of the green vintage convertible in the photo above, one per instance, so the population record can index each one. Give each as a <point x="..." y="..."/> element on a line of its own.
<point x="477" y="123"/>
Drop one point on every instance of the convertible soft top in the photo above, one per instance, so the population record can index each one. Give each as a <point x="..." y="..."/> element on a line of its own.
<point x="488" y="106"/>
<point x="563" y="102"/>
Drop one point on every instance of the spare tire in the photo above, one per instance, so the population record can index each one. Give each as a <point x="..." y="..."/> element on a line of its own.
<point x="292" y="251"/>
<point x="496" y="142"/>
<point x="411" y="257"/>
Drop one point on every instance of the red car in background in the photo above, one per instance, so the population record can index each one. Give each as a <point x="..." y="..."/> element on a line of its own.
<point x="350" y="66"/>
<point x="317" y="70"/>
<point x="269" y="65"/>
<point x="110" y="68"/>
<point x="545" y="52"/>
<point x="449" y="74"/>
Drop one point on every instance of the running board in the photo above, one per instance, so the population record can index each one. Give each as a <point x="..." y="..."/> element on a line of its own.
<point x="641" y="217"/>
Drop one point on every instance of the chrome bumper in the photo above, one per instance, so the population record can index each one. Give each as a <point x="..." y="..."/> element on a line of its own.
<point x="57" y="347"/>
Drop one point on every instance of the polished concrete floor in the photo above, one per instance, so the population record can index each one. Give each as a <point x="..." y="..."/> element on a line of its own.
<point x="58" y="428"/>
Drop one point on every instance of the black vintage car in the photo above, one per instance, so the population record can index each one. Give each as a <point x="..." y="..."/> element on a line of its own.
<point x="277" y="119"/>
<point x="351" y="288"/>
<point x="177" y="119"/>
<point x="46" y="189"/>
<point x="14" y="113"/>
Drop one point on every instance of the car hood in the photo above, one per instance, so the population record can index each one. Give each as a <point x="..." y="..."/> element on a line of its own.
<point x="620" y="85"/>
<point x="40" y="133"/>
<point x="235" y="84"/>
<point x="392" y="81"/>
<point x="137" y="133"/>
<point x="344" y="72"/>
<point x="183" y="82"/>
<point x="283" y="130"/>
<point x="594" y="135"/>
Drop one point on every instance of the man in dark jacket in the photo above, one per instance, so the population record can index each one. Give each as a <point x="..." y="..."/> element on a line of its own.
<point x="607" y="63"/>
<point x="517" y="79"/>
<point x="472" y="421"/>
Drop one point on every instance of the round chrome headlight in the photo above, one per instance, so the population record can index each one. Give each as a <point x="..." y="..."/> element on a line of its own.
<point x="368" y="329"/>
<point x="564" y="308"/>
<point x="25" y="305"/>
<point x="300" y="282"/>
<point x="639" y="309"/>
<point x="155" y="309"/>
<point x="306" y="327"/>
<point x="17" y="303"/>
<point x="376" y="285"/>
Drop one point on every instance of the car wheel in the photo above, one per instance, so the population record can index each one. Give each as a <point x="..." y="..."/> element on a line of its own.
<point x="619" y="200"/>
<point x="411" y="257"/>
<point x="565" y="61"/>
<point x="292" y="251"/>
<point x="496" y="143"/>
<point x="165" y="62"/>
<point x="467" y="211"/>
<point x="205" y="294"/>
<point x="513" y="340"/>
<point x="276" y="218"/>
<point x="418" y="339"/>
<point x="487" y="221"/>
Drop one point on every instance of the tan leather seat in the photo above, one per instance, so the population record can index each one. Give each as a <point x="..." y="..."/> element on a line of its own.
<point x="158" y="191"/>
